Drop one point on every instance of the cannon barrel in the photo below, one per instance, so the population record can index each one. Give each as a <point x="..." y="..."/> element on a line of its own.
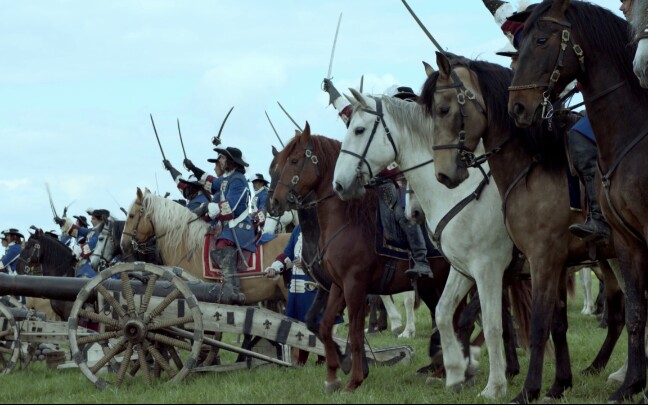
<point x="67" y="288"/>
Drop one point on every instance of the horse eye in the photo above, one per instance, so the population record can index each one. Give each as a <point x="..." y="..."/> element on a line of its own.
<point x="541" y="41"/>
<point x="294" y="161"/>
<point x="359" y="130"/>
<point x="443" y="111"/>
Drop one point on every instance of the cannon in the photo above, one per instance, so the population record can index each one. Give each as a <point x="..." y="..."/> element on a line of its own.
<point x="151" y="322"/>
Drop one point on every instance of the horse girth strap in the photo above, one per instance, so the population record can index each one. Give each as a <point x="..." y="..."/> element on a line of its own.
<point x="606" y="179"/>
<point x="514" y="183"/>
<point x="380" y="119"/>
<point x="436" y="237"/>
<point x="319" y="255"/>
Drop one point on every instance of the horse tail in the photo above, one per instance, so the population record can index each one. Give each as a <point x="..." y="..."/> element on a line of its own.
<point x="520" y="293"/>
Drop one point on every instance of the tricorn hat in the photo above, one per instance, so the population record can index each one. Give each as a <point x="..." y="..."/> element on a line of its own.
<point x="405" y="93"/>
<point x="83" y="221"/>
<point x="259" y="177"/>
<point x="13" y="231"/>
<point x="233" y="153"/>
<point x="507" y="50"/>
<point x="101" y="214"/>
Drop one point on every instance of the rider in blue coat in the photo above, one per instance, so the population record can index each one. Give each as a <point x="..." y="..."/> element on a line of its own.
<point x="14" y="247"/>
<point x="230" y="206"/>
<point x="192" y="189"/>
<point x="259" y="201"/>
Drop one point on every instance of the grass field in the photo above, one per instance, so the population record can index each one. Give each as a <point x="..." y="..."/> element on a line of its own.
<point x="271" y="384"/>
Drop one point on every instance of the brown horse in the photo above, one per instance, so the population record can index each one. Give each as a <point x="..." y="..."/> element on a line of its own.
<point x="346" y="246"/>
<point x="180" y="240"/>
<point x="529" y="169"/>
<point x="566" y="41"/>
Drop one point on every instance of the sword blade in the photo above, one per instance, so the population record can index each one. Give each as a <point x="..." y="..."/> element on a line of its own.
<point x="275" y="131"/>
<point x="49" y="195"/>
<point x="291" y="118"/>
<point x="181" y="142"/>
<point x="425" y="30"/>
<point x="157" y="137"/>
<point x="223" y="124"/>
<point x="361" y="83"/>
<point x="337" y="30"/>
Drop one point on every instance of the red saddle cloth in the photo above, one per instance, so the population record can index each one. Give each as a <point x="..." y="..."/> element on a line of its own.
<point x="252" y="265"/>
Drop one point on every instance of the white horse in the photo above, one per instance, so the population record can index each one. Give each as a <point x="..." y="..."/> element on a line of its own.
<point x="395" y="318"/>
<point x="639" y="21"/>
<point x="275" y="225"/>
<point x="475" y="240"/>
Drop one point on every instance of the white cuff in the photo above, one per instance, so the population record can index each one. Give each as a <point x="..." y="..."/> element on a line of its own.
<point x="213" y="210"/>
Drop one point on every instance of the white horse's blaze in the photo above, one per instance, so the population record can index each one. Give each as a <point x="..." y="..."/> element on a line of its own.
<point x="275" y="225"/>
<point x="475" y="241"/>
<point x="641" y="62"/>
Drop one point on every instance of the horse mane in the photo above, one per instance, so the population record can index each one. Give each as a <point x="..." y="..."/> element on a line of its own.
<point x="494" y="81"/>
<point x="413" y="118"/>
<point x="176" y="223"/>
<point x="360" y="212"/>
<point x="639" y="17"/>
<point x="608" y="33"/>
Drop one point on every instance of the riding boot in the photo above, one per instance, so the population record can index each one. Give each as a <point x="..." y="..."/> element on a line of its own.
<point x="418" y="248"/>
<point x="583" y="155"/>
<point x="227" y="259"/>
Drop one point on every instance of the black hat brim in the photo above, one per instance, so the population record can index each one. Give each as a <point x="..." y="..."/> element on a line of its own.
<point x="228" y="154"/>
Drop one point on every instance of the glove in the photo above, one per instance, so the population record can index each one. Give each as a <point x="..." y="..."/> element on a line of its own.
<point x="174" y="172"/>
<point x="225" y="211"/>
<point x="213" y="210"/>
<point x="188" y="164"/>
<point x="260" y="216"/>
<point x="59" y="221"/>
<point x="201" y="211"/>
<point x="328" y="87"/>
<point x="216" y="141"/>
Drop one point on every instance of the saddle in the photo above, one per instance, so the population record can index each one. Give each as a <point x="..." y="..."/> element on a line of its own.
<point x="252" y="264"/>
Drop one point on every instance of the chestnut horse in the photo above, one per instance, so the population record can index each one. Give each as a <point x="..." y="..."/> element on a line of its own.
<point x="180" y="240"/>
<point x="468" y="102"/>
<point x="565" y="41"/>
<point x="346" y="246"/>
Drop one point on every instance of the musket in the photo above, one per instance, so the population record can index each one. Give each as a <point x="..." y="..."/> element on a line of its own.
<point x="49" y="194"/>
<point x="330" y="68"/>
<point x="181" y="142"/>
<point x="425" y="30"/>
<point x="157" y="137"/>
<point x="275" y="131"/>
<point x="291" y="118"/>
<point x="216" y="140"/>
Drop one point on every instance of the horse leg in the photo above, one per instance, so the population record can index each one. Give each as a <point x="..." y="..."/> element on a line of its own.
<point x="410" y="326"/>
<point x="544" y="282"/>
<point x="466" y="324"/>
<point x="509" y="337"/>
<point x="633" y="260"/>
<point x="355" y="296"/>
<point x="563" y="380"/>
<point x="586" y="279"/>
<point x="616" y="321"/>
<point x="489" y="286"/>
<point x="454" y="361"/>
<point x="333" y="309"/>
<point x="395" y="318"/>
<point x="318" y="305"/>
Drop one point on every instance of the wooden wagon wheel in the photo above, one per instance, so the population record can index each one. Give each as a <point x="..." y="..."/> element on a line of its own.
<point x="141" y="334"/>
<point x="9" y="341"/>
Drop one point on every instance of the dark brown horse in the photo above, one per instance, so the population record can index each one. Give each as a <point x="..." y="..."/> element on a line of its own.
<point x="529" y="168"/>
<point x="566" y="41"/>
<point x="346" y="246"/>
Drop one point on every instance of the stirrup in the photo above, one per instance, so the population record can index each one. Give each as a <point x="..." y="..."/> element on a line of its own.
<point x="419" y="271"/>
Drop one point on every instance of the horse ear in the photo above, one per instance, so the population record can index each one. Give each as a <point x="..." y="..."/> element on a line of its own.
<point x="275" y="152"/>
<point x="140" y="195"/>
<point x="351" y="99"/>
<point x="306" y="135"/>
<point x="559" y="8"/>
<point x="429" y="70"/>
<point x="444" y="66"/>
<point x="358" y="96"/>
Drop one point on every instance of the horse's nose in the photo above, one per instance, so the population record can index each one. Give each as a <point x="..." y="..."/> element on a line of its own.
<point x="518" y="110"/>
<point x="416" y="214"/>
<point x="443" y="179"/>
<point x="338" y="187"/>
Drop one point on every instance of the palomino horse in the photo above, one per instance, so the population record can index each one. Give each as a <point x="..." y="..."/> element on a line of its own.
<point x="591" y="46"/>
<point x="281" y="224"/>
<point x="180" y="240"/>
<point x="346" y="246"/>
<point x="639" y="22"/>
<point x="467" y="100"/>
<point x="465" y="223"/>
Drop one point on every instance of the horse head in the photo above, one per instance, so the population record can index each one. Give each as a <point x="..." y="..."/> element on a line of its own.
<point x="296" y="173"/>
<point x="44" y="254"/>
<point x="452" y="98"/>
<point x="138" y="229"/>
<point x="368" y="147"/>
<point x="31" y="256"/>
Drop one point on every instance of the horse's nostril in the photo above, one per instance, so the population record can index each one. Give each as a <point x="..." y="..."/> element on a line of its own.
<point x="416" y="214"/>
<point x="518" y="109"/>
<point x="338" y="187"/>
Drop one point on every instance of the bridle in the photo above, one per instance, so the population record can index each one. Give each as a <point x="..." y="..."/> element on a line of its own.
<point x="33" y="258"/>
<point x="146" y="246"/>
<point x="547" y="106"/>
<point x="293" y="196"/>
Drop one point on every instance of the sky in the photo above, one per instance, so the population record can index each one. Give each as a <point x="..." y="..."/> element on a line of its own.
<point x="78" y="80"/>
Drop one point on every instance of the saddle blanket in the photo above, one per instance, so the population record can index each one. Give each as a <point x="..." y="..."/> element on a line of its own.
<point x="253" y="261"/>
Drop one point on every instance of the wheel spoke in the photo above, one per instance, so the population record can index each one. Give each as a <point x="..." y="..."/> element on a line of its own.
<point x="99" y="337"/>
<point x="111" y="300"/>
<point x="168" y="300"/>
<point x="174" y="356"/>
<point x="118" y="348"/>
<point x="141" y="354"/>
<point x="169" y="341"/>
<point x="162" y="361"/>
<point x="6" y="333"/>
<point x="148" y="293"/>
<point x="172" y="322"/>
<point x="99" y="318"/>
<point x="124" y="365"/>
<point x="127" y="290"/>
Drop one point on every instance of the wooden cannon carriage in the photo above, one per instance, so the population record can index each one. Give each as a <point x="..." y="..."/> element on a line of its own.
<point x="150" y="320"/>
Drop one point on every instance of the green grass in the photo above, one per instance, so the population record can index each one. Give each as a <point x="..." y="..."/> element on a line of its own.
<point x="270" y="384"/>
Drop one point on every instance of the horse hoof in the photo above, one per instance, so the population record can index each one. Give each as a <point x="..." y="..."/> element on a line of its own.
<point x="332" y="387"/>
<point x="398" y="331"/>
<point x="433" y="380"/>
